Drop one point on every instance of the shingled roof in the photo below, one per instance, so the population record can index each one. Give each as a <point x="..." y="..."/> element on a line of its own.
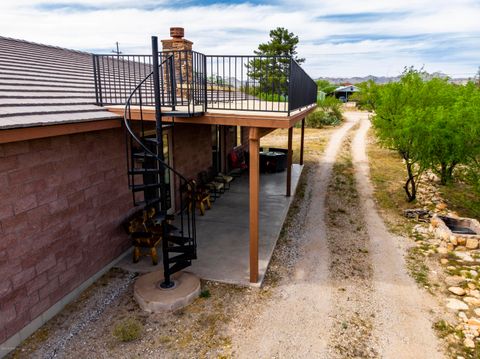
<point x="45" y="85"/>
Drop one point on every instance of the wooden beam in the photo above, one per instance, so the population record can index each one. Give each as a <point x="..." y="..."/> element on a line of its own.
<point x="302" y="141"/>
<point x="228" y="118"/>
<point x="254" y="192"/>
<point x="289" y="162"/>
<point x="31" y="133"/>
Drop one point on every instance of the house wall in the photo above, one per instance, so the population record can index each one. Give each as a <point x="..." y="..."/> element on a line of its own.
<point x="192" y="149"/>
<point x="230" y="143"/>
<point x="62" y="201"/>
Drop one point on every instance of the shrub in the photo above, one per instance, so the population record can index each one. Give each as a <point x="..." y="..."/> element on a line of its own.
<point x="320" y="118"/>
<point x="128" y="329"/>
<point x="329" y="113"/>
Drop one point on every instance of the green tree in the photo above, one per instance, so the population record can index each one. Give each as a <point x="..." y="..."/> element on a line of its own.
<point x="325" y="86"/>
<point x="433" y="124"/>
<point x="282" y="43"/>
<point x="367" y="95"/>
<point x="398" y="123"/>
<point x="270" y="72"/>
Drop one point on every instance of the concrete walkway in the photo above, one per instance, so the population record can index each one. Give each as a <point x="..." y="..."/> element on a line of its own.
<point x="222" y="234"/>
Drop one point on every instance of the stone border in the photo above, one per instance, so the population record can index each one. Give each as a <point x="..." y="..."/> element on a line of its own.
<point x="452" y="240"/>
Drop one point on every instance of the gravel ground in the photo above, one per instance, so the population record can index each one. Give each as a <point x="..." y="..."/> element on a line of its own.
<point x="351" y="273"/>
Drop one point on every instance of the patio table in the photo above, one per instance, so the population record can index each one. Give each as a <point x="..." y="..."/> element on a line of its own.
<point x="272" y="161"/>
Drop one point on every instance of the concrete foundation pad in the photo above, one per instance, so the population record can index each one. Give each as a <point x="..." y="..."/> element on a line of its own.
<point x="153" y="299"/>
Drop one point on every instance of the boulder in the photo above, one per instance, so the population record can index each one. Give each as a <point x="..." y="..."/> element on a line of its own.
<point x="457" y="290"/>
<point x="456" y="304"/>
<point x="472" y="243"/>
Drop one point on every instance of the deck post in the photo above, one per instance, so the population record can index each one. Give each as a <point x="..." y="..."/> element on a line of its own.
<point x="254" y="189"/>
<point x="289" y="162"/>
<point x="302" y="141"/>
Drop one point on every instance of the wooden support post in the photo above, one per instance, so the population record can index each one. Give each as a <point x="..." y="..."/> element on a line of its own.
<point x="289" y="162"/>
<point x="254" y="178"/>
<point x="302" y="141"/>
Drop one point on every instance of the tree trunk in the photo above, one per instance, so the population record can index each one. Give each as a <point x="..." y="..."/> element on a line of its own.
<point x="410" y="185"/>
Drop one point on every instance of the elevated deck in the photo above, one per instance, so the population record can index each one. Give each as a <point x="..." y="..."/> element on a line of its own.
<point x="248" y="118"/>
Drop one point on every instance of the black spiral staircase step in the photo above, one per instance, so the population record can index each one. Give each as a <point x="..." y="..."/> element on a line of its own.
<point x="142" y="171"/>
<point x="187" y="250"/>
<point x="143" y="187"/>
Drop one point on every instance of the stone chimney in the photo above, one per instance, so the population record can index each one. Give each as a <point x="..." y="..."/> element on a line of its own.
<point x="180" y="48"/>
<point x="177" y="42"/>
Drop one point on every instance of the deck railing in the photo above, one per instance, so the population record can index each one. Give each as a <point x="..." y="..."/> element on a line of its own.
<point x="197" y="83"/>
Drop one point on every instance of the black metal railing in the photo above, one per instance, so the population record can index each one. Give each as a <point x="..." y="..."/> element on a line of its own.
<point x="249" y="83"/>
<point x="192" y="83"/>
<point x="302" y="88"/>
<point x="154" y="183"/>
<point x="182" y="80"/>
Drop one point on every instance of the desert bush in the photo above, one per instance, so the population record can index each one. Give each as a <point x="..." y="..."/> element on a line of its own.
<point x="328" y="113"/>
<point x="128" y="330"/>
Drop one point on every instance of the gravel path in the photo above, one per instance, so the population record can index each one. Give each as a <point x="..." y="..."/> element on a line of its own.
<point x="295" y="324"/>
<point x="349" y="295"/>
<point x="402" y="321"/>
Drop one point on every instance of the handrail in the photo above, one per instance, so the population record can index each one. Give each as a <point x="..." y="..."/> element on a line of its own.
<point x="127" y="125"/>
<point x="200" y="82"/>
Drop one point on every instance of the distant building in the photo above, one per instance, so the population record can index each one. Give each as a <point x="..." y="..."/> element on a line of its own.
<point x="343" y="93"/>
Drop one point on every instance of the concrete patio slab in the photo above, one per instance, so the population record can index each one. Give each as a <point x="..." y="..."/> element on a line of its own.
<point x="223" y="233"/>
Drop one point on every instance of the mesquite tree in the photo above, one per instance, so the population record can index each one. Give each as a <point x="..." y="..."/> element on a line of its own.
<point x="400" y="112"/>
<point x="433" y="124"/>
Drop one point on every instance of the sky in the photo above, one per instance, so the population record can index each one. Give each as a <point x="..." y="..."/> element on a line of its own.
<point x="338" y="38"/>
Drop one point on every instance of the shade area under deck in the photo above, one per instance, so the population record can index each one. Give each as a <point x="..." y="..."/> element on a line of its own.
<point x="223" y="233"/>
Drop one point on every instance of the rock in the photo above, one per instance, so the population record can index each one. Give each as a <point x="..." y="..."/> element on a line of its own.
<point x="454" y="281"/>
<point x="472" y="285"/>
<point x="475" y="293"/>
<point x="417" y="213"/>
<point x="457" y="290"/>
<point x="462" y="316"/>
<point x="442" y="250"/>
<point x="472" y="243"/>
<point x="450" y="247"/>
<point x="453" y="240"/>
<point x="453" y="214"/>
<point x="461" y="241"/>
<point x="473" y="272"/>
<point x="477" y="311"/>
<point x="444" y="261"/>
<point x="456" y="304"/>
<point x="461" y="249"/>
<point x="420" y="229"/>
<point x="441" y="206"/>
<point x="474" y="322"/>
<point x="472" y="301"/>
<point x="464" y="256"/>
<point x="469" y="343"/>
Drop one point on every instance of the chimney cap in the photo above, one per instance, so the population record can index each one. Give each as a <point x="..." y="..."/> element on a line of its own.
<point x="177" y="32"/>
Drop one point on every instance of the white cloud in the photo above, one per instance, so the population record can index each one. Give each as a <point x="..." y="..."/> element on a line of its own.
<point x="417" y="36"/>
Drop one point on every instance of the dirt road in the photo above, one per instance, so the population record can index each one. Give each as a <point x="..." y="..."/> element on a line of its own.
<point x="349" y="295"/>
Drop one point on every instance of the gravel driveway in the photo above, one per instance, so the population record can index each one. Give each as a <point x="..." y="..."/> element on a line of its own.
<point x="349" y="295"/>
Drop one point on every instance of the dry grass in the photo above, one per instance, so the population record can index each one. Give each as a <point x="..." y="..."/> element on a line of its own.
<point x="388" y="173"/>
<point x="315" y="141"/>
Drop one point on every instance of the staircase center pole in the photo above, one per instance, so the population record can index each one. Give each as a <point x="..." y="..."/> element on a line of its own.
<point x="167" y="283"/>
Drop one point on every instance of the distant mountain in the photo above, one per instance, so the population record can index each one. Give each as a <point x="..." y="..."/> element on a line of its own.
<point x="384" y="79"/>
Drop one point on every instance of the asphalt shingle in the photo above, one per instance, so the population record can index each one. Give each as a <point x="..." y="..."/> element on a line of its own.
<point x="45" y="85"/>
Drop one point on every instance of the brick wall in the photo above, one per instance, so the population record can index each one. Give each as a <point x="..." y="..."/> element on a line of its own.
<point x="192" y="149"/>
<point x="230" y="143"/>
<point x="62" y="200"/>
